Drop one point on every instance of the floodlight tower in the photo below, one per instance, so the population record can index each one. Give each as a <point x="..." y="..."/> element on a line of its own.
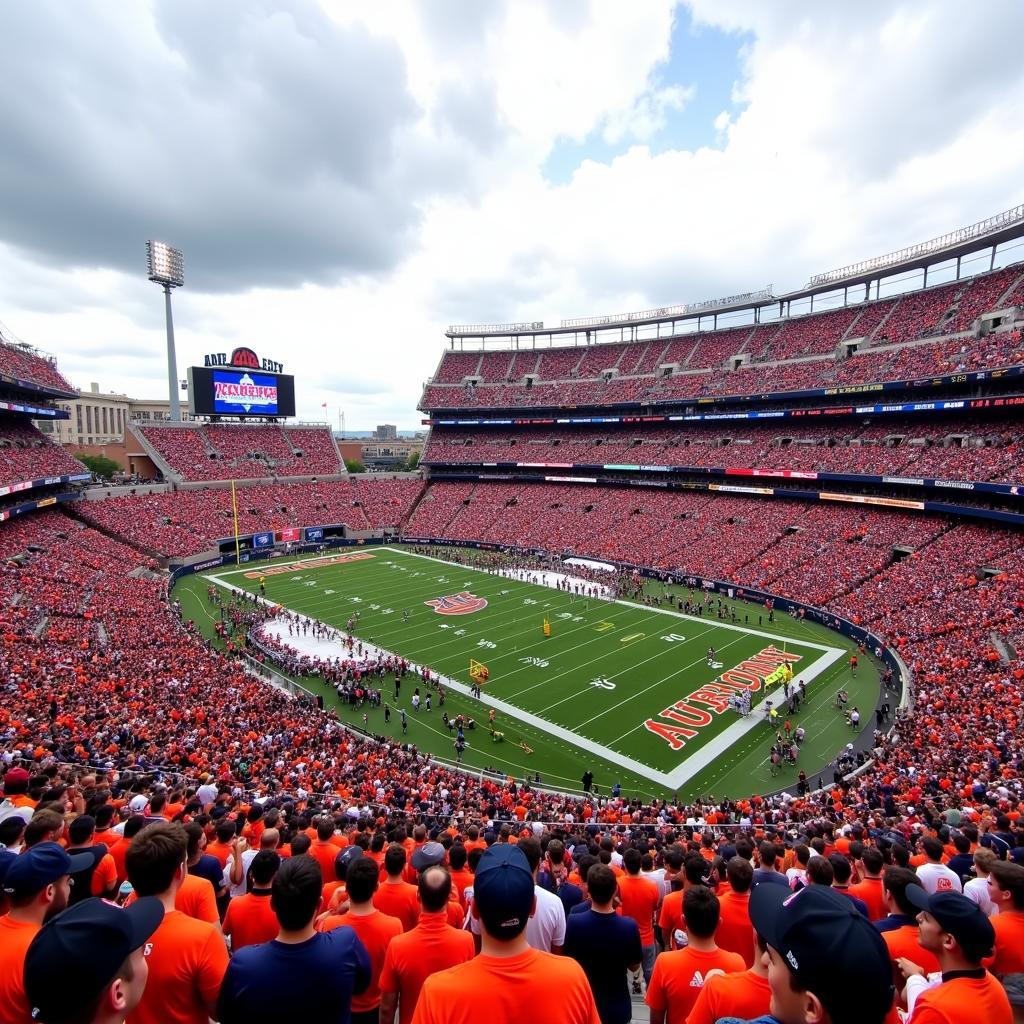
<point x="165" y="265"/>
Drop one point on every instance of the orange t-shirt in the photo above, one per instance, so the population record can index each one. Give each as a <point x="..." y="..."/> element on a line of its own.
<point x="400" y="900"/>
<point x="870" y="891"/>
<point x="903" y="942"/>
<point x="412" y="957"/>
<point x="15" y="938"/>
<point x="678" y="978"/>
<point x="639" y="898"/>
<point x="196" y="898"/>
<point x="375" y="931"/>
<point x="510" y="986"/>
<point x="735" y="932"/>
<point x="461" y="881"/>
<point x="222" y="851"/>
<point x="671" y="917"/>
<point x="745" y="995"/>
<point x="250" y="920"/>
<point x="962" y="999"/>
<point x="325" y="854"/>
<point x="1009" y="958"/>
<point x="187" y="961"/>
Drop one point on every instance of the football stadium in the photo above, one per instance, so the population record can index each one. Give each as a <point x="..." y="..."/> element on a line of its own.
<point x="703" y="623"/>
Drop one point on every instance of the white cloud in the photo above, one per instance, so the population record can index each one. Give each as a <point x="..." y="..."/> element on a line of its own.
<point x="863" y="128"/>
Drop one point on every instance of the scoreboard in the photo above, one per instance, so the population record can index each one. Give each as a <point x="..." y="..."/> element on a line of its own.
<point x="240" y="387"/>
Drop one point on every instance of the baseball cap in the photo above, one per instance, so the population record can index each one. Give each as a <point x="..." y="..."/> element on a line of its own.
<point x="830" y="948"/>
<point x="37" y="868"/>
<point x="16" y="776"/>
<point x="503" y="890"/>
<point x="138" y="803"/>
<point x="84" y="947"/>
<point x="428" y="855"/>
<point x="956" y="914"/>
<point x="344" y="861"/>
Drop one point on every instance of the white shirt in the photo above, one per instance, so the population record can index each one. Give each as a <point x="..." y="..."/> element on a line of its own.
<point x="247" y="858"/>
<point x="977" y="889"/>
<point x="547" y="926"/>
<point x="938" y="878"/>
<point x="206" y="794"/>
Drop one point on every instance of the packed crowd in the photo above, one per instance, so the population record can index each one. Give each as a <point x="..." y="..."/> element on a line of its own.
<point x="23" y="363"/>
<point x="245" y="451"/>
<point x="27" y="454"/>
<point x="955" y="449"/>
<point x="185" y="522"/>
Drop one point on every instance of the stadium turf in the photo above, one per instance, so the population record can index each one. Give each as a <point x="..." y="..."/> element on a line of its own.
<point x="606" y="691"/>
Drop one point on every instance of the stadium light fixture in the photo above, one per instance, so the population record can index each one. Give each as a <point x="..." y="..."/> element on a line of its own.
<point x="166" y="266"/>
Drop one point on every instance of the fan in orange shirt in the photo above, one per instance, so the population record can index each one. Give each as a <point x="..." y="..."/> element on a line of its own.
<point x="745" y="995"/>
<point x="250" y="918"/>
<point x="1006" y="890"/>
<point x="375" y="931"/>
<point x="396" y="896"/>
<point x="432" y="946"/>
<point x="508" y="974"/>
<point x="639" y="897"/>
<point x="869" y="889"/>
<point x="671" y="920"/>
<point x="679" y="976"/>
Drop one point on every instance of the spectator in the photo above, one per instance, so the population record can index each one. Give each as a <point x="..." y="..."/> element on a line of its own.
<point x="1006" y="889"/>
<point x="977" y="888"/>
<point x="395" y="895"/>
<point x="87" y="965"/>
<point x="303" y="973"/>
<point x="187" y="958"/>
<point x="606" y="946"/>
<point x="431" y="947"/>
<point x="100" y="877"/>
<point x="743" y="994"/>
<point x="640" y="897"/>
<point x="374" y="929"/>
<point x="841" y="873"/>
<point x="250" y="918"/>
<point x="509" y="974"/>
<point x="670" y="919"/>
<point x="826" y="962"/>
<point x="934" y="875"/>
<point x="38" y="887"/>
<point x="679" y="976"/>
<point x="899" y="929"/>
<point x="734" y="932"/>
<point x="869" y="888"/>
<point x="960" y="936"/>
<point x="768" y="856"/>
<point x="545" y="929"/>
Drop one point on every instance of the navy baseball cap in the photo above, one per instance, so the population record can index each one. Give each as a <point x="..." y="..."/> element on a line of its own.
<point x="830" y="948"/>
<point x="956" y="914"/>
<point x="428" y="855"/>
<point x="42" y="865"/>
<point x="503" y="890"/>
<point x="77" y="954"/>
<point x="344" y="861"/>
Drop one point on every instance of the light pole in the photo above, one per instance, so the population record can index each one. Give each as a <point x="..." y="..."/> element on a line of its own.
<point x="165" y="265"/>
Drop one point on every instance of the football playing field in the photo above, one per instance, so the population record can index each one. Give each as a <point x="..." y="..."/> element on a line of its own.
<point x="622" y="689"/>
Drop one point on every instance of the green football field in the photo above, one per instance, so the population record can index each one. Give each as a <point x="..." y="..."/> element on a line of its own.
<point x="619" y="688"/>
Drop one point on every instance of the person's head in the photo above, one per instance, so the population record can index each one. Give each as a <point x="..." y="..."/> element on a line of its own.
<point x="300" y="844"/>
<point x="394" y="860"/>
<point x="807" y="935"/>
<point x="952" y="927"/>
<point x="1006" y="885"/>
<point x="361" y="880"/>
<point x="556" y="851"/>
<point x="156" y="858"/>
<point x="435" y="886"/>
<point x="503" y="892"/>
<point x="457" y="856"/>
<point x="632" y="860"/>
<point x="984" y="859"/>
<point x="38" y="882"/>
<point x="295" y="893"/>
<point x="841" y="868"/>
<point x="270" y="839"/>
<point x="264" y="866"/>
<point x="740" y="874"/>
<point x="961" y="843"/>
<point x="895" y="882"/>
<point x="45" y="827"/>
<point x="701" y="912"/>
<point x="225" y="831"/>
<point x="695" y="870"/>
<point x="81" y="830"/>
<point x="601" y="884"/>
<point x="87" y="964"/>
<point x="196" y="839"/>
<point x="819" y="871"/>
<point x="325" y="829"/>
<point x="427" y="855"/>
<point x="531" y="850"/>
<point x="767" y="854"/>
<point x="932" y="849"/>
<point x="872" y="860"/>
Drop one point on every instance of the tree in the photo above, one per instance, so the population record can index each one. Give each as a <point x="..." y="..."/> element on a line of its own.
<point x="414" y="461"/>
<point x="100" y="465"/>
<point x="354" y="466"/>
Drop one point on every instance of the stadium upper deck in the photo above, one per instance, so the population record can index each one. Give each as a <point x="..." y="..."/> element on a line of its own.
<point x="760" y="343"/>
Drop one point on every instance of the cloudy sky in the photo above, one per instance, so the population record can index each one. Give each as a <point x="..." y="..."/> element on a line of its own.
<point x="346" y="179"/>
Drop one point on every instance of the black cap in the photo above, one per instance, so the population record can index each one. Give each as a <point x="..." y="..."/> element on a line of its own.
<point x="959" y="916"/>
<point x="343" y="861"/>
<point x="77" y="954"/>
<point x="428" y="855"/>
<point x="41" y="866"/>
<point x="830" y="948"/>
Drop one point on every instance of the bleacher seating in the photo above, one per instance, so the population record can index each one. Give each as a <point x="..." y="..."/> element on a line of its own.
<point x="27" y="454"/>
<point x="22" y="363"/>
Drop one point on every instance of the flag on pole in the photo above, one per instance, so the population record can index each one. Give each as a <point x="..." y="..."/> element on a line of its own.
<point x="547" y="627"/>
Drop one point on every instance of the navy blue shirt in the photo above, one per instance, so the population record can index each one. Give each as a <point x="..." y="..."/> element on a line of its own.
<point x="311" y="980"/>
<point x="773" y="877"/>
<point x="604" y="945"/>
<point x="209" y="867"/>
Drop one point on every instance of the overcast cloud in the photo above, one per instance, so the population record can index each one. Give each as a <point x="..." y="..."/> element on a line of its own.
<point x="346" y="179"/>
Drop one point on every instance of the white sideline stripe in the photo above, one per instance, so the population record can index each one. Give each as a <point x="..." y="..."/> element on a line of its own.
<point x="673" y="779"/>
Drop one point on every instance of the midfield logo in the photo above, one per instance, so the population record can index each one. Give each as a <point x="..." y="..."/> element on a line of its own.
<point x="463" y="603"/>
